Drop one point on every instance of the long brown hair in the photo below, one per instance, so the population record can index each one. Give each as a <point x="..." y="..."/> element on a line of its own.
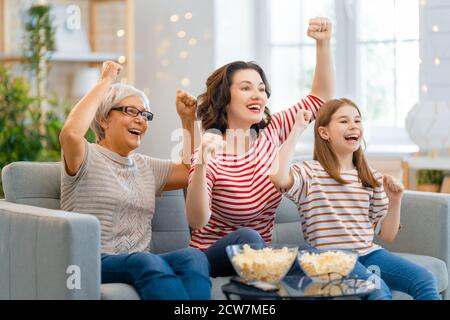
<point x="324" y="153"/>
<point x="212" y="103"/>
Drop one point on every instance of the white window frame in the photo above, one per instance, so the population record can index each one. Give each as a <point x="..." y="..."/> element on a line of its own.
<point x="347" y="76"/>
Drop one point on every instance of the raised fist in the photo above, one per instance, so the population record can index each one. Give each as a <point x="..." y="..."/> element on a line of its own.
<point x="186" y="105"/>
<point x="303" y="118"/>
<point x="212" y="145"/>
<point x="320" y="28"/>
<point x="393" y="188"/>
<point x="110" y="71"/>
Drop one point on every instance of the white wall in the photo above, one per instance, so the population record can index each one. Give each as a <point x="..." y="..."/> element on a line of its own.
<point x="159" y="69"/>
<point x="234" y="34"/>
<point x="436" y="77"/>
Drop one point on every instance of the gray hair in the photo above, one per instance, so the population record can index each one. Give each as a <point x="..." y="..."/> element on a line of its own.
<point x="116" y="93"/>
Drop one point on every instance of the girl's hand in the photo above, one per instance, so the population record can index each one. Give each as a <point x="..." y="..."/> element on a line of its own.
<point x="110" y="71"/>
<point x="186" y="105"/>
<point x="393" y="188"/>
<point x="320" y="28"/>
<point x="303" y="118"/>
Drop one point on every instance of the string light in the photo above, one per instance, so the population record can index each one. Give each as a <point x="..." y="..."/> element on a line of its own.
<point x="185" y="82"/>
<point x="437" y="61"/>
<point x="163" y="47"/>
<point x="181" y="34"/>
<point x="435" y="28"/>
<point x="122" y="59"/>
<point x="188" y="15"/>
<point x="192" y="42"/>
<point x="120" y="33"/>
<point x="174" y="18"/>
<point x="183" y="54"/>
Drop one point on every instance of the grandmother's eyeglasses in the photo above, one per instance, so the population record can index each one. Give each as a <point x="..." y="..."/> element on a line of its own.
<point x="134" y="112"/>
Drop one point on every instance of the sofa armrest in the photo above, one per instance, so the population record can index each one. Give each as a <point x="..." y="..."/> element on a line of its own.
<point x="425" y="225"/>
<point x="48" y="254"/>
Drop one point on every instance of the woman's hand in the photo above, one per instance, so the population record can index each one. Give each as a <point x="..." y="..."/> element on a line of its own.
<point x="212" y="144"/>
<point x="320" y="28"/>
<point x="393" y="188"/>
<point x="303" y="118"/>
<point x="186" y="106"/>
<point x="110" y="71"/>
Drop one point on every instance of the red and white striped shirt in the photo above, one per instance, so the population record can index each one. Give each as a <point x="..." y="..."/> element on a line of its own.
<point x="239" y="189"/>
<point x="336" y="215"/>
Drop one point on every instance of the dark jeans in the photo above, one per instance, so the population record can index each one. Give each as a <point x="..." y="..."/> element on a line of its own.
<point x="218" y="259"/>
<point x="178" y="275"/>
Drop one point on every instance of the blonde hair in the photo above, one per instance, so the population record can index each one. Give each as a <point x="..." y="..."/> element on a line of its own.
<point x="116" y="93"/>
<point x="324" y="153"/>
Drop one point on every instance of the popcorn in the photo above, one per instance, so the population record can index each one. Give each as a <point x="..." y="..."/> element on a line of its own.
<point x="328" y="266"/>
<point x="265" y="264"/>
<point x="328" y="290"/>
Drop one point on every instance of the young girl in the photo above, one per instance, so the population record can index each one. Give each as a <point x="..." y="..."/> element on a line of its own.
<point x="343" y="203"/>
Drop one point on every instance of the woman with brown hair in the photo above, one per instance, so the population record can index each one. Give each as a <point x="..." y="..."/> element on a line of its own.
<point x="230" y="198"/>
<point x="344" y="204"/>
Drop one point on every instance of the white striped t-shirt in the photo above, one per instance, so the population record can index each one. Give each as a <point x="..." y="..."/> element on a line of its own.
<point x="239" y="189"/>
<point x="335" y="215"/>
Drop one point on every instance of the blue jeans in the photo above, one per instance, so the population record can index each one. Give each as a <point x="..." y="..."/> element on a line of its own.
<point x="179" y="275"/>
<point x="218" y="258"/>
<point x="392" y="272"/>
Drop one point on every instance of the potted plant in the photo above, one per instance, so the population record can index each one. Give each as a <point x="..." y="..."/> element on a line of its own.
<point x="429" y="180"/>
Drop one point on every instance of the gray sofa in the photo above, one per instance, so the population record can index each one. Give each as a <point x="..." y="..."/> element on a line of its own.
<point x="47" y="253"/>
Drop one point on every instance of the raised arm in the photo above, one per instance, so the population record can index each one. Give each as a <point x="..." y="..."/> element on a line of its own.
<point x="391" y="223"/>
<point x="80" y="118"/>
<point x="320" y="29"/>
<point x="280" y="170"/>
<point x="186" y="105"/>
<point x="322" y="89"/>
<point x="199" y="193"/>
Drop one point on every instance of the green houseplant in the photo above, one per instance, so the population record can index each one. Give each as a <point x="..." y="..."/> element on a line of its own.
<point x="29" y="126"/>
<point x="38" y="46"/>
<point x="429" y="180"/>
<point x="30" y="117"/>
<point x="20" y="138"/>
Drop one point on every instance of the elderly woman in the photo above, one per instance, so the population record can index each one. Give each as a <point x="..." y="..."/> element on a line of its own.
<point x="118" y="186"/>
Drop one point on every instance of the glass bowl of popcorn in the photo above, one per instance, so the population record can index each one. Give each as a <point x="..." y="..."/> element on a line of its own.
<point x="253" y="262"/>
<point x="327" y="265"/>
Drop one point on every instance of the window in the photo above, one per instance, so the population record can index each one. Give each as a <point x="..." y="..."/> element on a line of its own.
<point x="388" y="50"/>
<point x="376" y="54"/>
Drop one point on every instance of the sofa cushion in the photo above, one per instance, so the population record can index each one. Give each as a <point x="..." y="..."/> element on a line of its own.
<point x="118" y="291"/>
<point x="170" y="230"/>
